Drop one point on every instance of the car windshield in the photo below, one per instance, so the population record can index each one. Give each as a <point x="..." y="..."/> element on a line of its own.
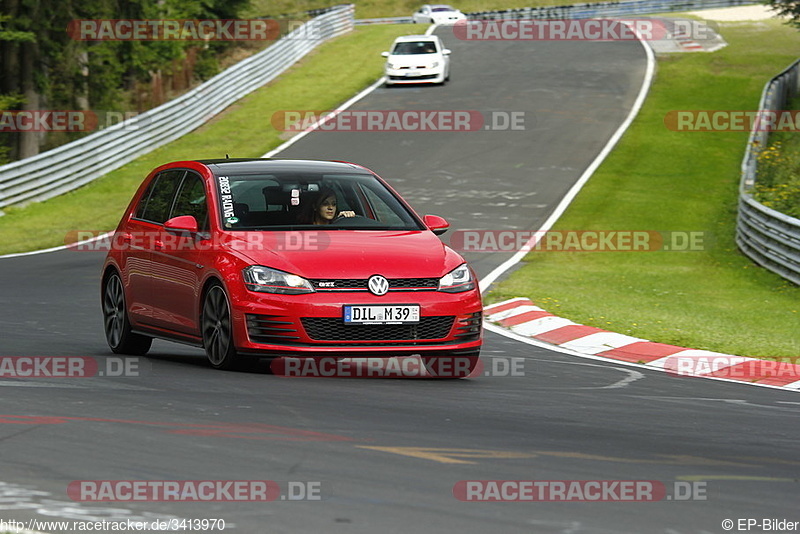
<point x="296" y="201"/>
<point x="439" y="9"/>
<point x="414" y="47"/>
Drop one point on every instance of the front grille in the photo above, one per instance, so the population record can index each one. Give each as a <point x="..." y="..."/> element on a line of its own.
<point x="423" y="77"/>
<point x="333" y="329"/>
<point x="395" y="284"/>
<point x="271" y="329"/>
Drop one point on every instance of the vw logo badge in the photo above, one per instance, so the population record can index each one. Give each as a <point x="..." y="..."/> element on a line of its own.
<point x="378" y="285"/>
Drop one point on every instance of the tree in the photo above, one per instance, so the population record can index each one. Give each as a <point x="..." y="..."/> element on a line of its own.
<point x="11" y="86"/>
<point x="786" y="8"/>
<point x="44" y="68"/>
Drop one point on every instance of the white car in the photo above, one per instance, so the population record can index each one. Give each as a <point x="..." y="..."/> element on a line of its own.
<point x="437" y="14"/>
<point x="417" y="59"/>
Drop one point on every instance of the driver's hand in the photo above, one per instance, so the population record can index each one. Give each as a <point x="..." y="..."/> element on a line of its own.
<point x="346" y="214"/>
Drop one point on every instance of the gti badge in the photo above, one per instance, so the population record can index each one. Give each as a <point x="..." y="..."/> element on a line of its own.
<point x="378" y="285"/>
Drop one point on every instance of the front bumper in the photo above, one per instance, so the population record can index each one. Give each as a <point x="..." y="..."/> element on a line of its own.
<point x="407" y="76"/>
<point x="312" y="324"/>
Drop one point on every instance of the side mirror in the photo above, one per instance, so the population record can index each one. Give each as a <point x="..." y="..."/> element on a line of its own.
<point x="436" y="224"/>
<point x="185" y="224"/>
<point x="385" y="54"/>
<point x="446" y="52"/>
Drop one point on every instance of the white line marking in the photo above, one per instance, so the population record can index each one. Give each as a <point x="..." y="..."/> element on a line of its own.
<point x="56" y="249"/>
<point x="314" y="127"/>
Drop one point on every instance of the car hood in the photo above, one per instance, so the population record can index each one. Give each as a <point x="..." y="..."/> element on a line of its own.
<point x="348" y="254"/>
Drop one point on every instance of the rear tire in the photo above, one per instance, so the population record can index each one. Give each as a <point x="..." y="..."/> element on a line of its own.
<point x="217" y="329"/>
<point x="116" y="324"/>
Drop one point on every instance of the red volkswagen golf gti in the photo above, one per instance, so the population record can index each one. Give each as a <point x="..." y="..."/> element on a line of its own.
<point x="272" y="258"/>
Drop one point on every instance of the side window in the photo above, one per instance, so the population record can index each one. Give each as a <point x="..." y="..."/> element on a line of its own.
<point x="143" y="201"/>
<point x="158" y="203"/>
<point x="191" y="200"/>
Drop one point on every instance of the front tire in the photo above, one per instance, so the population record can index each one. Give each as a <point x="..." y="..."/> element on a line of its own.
<point x="217" y="329"/>
<point x="116" y="324"/>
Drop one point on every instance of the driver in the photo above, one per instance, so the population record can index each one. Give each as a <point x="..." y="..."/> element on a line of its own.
<point x="323" y="209"/>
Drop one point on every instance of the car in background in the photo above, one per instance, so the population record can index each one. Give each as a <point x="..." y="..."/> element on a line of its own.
<point x="417" y="59"/>
<point x="437" y="14"/>
<point x="230" y="255"/>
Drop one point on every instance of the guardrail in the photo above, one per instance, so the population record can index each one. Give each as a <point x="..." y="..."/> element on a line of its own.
<point x="70" y="166"/>
<point x="768" y="237"/>
<point x="385" y="20"/>
<point x="606" y="9"/>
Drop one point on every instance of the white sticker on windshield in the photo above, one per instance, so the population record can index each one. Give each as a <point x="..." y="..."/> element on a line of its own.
<point x="226" y="197"/>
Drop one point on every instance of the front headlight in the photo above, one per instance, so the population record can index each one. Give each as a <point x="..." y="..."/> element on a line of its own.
<point x="266" y="280"/>
<point x="390" y="66"/>
<point x="458" y="280"/>
<point x="434" y="65"/>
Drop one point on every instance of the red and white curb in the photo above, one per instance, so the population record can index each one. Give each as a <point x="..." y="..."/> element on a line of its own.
<point x="523" y="318"/>
<point x="690" y="45"/>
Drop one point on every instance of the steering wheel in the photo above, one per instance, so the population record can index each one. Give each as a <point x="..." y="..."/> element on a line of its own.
<point x="356" y="220"/>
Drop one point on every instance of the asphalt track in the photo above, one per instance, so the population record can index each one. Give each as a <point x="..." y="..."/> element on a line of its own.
<point x="387" y="453"/>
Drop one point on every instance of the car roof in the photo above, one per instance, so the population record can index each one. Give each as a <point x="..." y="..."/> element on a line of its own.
<point x="411" y="38"/>
<point x="259" y="165"/>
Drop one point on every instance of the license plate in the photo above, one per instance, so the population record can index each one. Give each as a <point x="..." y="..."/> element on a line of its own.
<point x="383" y="314"/>
<point x="412" y="74"/>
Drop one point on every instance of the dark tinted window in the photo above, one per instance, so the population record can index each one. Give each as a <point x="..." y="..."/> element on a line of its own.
<point x="143" y="201"/>
<point x="191" y="200"/>
<point x="416" y="47"/>
<point x="156" y="206"/>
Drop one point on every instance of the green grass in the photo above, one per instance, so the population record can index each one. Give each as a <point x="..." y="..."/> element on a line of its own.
<point x="324" y="79"/>
<point x="657" y="179"/>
